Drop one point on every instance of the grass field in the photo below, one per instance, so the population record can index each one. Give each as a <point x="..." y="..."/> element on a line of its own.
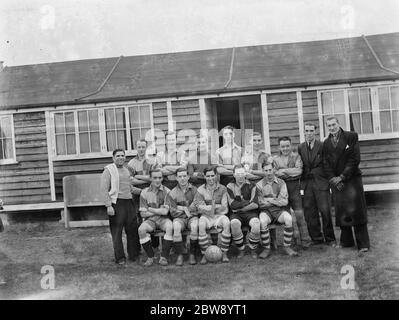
<point x="84" y="269"/>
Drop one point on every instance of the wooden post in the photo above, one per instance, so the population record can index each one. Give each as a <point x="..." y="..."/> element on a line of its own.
<point x="50" y="152"/>
<point x="300" y="116"/>
<point x="265" y="122"/>
<point x="170" y="115"/>
<point x="202" y="109"/>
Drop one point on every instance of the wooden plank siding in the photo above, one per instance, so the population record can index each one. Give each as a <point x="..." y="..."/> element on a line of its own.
<point x="283" y="118"/>
<point x="28" y="180"/>
<point x="310" y="109"/>
<point x="160" y="116"/>
<point x="379" y="161"/>
<point x="186" y="115"/>
<point x="82" y="166"/>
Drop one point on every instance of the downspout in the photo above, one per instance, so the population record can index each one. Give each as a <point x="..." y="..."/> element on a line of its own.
<point x="376" y="57"/>
<point x="231" y="68"/>
<point x="104" y="82"/>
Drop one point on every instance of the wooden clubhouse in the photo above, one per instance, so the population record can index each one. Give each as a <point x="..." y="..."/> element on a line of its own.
<point x="60" y="119"/>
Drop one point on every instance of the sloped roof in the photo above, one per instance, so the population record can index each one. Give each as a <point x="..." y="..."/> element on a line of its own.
<point x="197" y="72"/>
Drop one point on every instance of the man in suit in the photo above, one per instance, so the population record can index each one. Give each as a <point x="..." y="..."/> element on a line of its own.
<point x="316" y="189"/>
<point x="341" y="159"/>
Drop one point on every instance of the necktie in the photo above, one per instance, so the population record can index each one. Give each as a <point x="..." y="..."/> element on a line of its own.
<point x="335" y="139"/>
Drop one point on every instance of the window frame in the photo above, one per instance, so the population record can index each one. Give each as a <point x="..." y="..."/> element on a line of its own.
<point x="102" y="131"/>
<point x="12" y="160"/>
<point x="375" y="111"/>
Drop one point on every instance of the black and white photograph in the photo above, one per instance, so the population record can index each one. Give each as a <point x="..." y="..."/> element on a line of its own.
<point x="207" y="152"/>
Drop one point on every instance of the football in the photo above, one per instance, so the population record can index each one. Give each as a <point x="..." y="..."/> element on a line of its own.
<point x="213" y="254"/>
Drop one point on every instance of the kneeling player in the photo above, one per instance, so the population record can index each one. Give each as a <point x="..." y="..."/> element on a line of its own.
<point x="211" y="202"/>
<point x="184" y="215"/>
<point x="154" y="212"/>
<point x="241" y="195"/>
<point x="273" y="199"/>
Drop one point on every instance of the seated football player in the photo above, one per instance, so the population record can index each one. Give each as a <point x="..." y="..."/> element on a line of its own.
<point x="289" y="167"/>
<point x="154" y="212"/>
<point x="242" y="201"/>
<point x="211" y="202"/>
<point x="139" y="168"/>
<point x="184" y="216"/>
<point x="273" y="200"/>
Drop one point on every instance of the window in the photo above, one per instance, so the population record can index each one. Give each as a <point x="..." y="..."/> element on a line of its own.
<point x="98" y="131"/>
<point x="115" y="128"/>
<point x="360" y="113"/>
<point x="333" y="103"/>
<point x="373" y="112"/>
<point x="89" y="132"/>
<point x="388" y="100"/>
<point x="7" y="142"/>
<point x="140" y="122"/>
<point x="65" y="133"/>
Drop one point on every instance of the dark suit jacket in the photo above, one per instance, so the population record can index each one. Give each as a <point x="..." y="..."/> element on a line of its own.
<point x="313" y="164"/>
<point x="344" y="159"/>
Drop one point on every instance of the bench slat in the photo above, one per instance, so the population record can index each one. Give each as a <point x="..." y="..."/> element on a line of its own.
<point x="33" y="207"/>
<point x="86" y="204"/>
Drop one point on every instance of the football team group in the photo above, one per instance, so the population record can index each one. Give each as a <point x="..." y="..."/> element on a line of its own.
<point x="235" y="192"/>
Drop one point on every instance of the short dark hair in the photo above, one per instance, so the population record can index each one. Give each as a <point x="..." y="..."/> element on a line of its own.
<point x="210" y="168"/>
<point x="155" y="169"/>
<point x="310" y="124"/>
<point x="116" y="151"/>
<point x="181" y="169"/>
<point x="285" y="138"/>
<point x="266" y="163"/>
<point x="228" y="128"/>
<point x="331" y="118"/>
<point x="238" y="166"/>
<point x="141" y="140"/>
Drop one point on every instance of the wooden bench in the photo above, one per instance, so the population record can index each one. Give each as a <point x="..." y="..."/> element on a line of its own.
<point x="82" y="191"/>
<point x="30" y="207"/>
<point x="213" y="231"/>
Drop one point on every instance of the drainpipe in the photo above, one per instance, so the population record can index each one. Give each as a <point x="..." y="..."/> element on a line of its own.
<point x="231" y="68"/>
<point x="104" y="82"/>
<point x="376" y="57"/>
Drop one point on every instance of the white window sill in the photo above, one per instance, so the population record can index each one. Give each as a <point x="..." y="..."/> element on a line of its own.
<point x="91" y="156"/>
<point x="8" y="161"/>
<point x="368" y="137"/>
<point x="383" y="136"/>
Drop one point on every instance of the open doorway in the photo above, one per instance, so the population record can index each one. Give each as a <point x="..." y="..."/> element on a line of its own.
<point x="228" y="114"/>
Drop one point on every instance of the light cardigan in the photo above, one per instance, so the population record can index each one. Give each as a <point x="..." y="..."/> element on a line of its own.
<point x="113" y="193"/>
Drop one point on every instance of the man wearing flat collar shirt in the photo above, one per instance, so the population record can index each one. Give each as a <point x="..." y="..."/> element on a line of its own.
<point x="316" y="188"/>
<point x="229" y="155"/>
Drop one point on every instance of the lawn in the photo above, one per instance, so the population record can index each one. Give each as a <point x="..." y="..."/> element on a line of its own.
<point x="84" y="269"/>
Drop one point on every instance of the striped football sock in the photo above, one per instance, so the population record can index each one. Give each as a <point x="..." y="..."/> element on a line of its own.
<point x="288" y="232"/>
<point x="265" y="237"/>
